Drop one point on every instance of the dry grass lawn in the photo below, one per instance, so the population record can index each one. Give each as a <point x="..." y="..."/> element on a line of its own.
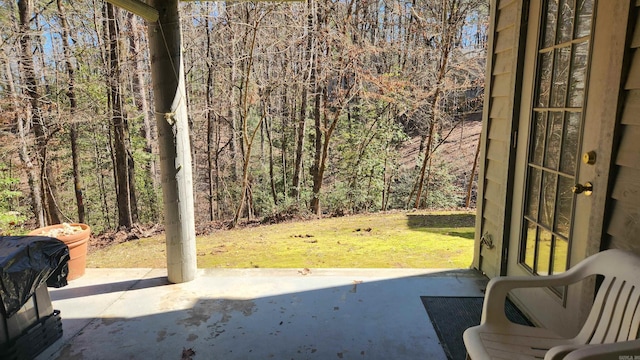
<point x="383" y="240"/>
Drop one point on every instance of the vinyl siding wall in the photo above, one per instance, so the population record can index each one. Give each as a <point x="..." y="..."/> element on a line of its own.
<point x="497" y="133"/>
<point x="623" y="229"/>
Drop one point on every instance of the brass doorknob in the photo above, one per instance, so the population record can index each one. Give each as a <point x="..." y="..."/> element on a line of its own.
<point x="589" y="157"/>
<point x="586" y="189"/>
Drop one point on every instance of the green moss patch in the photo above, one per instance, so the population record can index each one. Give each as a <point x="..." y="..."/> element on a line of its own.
<point x="385" y="240"/>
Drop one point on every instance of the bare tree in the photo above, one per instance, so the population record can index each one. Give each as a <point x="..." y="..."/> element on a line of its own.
<point x="38" y="121"/>
<point x="309" y="68"/>
<point x="125" y="192"/>
<point x="336" y="85"/>
<point x="449" y="18"/>
<point x="73" y="105"/>
<point x="141" y="95"/>
<point x="249" y="134"/>
<point x="309" y="108"/>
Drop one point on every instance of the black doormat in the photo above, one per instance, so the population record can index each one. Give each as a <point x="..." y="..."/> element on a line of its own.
<point x="451" y="316"/>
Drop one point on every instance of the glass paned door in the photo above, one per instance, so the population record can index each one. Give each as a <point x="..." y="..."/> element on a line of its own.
<point x="556" y="128"/>
<point x="572" y="83"/>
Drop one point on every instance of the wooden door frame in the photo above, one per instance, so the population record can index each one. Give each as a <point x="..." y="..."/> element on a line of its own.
<point x="515" y="127"/>
<point x="516" y="85"/>
<point x="604" y="165"/>
<point x="603" y="99"/>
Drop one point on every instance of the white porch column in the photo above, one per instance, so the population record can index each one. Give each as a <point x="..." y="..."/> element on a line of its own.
<point x="165" y="44"/>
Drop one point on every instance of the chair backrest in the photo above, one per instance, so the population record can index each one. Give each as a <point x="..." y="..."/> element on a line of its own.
<point x="615" y="315"/>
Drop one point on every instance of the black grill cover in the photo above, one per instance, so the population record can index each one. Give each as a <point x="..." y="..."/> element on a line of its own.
<point x="26" y="262"/>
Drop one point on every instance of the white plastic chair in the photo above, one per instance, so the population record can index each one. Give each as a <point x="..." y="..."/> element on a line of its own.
<point x="610" y="331"/>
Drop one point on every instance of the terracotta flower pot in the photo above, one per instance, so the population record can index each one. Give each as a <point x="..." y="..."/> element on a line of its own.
<point x="77" y="241"/>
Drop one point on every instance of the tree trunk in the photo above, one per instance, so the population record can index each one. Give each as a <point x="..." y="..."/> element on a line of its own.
<point x="120" y="125"/>
<point x="300" y="130"/>
<point x="451" y="16"/>
<point x="248" y="137"/>
<point x="288" y="117"/>
<point x="467" y="201"/>
<point x="100" y="180"/>
<point x="140" y="89"/>
<point x="272" y="179"/>
<point x="233" y="123"/>
<point x="216" y="164"/>
<point x="47" y="180"/>
<point x="23" y="148"/>
<point x="211" y="143"/>
<point x="425" y="163"/>
<point x="236" y="84"/>
<point x="316" y="172"/>
<point x="167" y="68"/>
<point x="132" y="181"/>
<point x="318" y="176"/>
<point x="73" y="105"/>
<point x="302" y="121"/>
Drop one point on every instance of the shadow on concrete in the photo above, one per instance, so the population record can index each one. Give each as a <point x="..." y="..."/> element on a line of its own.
<point x="67" y="293"/>
<point x="290" y="317"/>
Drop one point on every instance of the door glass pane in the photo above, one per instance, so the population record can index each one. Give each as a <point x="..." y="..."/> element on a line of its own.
<point x="560" y="76"/>
<point x="534" y="194"/>
<point x="564" y="206"/>
<point x="555" y="133"/>
<point x="570" y="144"/>
<point x="548" y="200"/>
<point x="546" y="69"/>
<point x="554" y="140"/>
<point x="583" y="21"/>
<point x="565" y="30"/>
<point x="539" y="132"/>
<point x="530" y="245"/>
<point x="560" y="255"/>
<point x="544" y="252"/>
<point x="578" y="74"/>
<point x="550" y="25"/>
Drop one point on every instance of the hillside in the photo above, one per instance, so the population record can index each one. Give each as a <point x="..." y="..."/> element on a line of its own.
<point x="457" y="150"/>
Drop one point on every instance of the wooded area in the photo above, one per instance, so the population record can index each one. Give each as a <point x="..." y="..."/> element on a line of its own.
<point x="293" y="107"/>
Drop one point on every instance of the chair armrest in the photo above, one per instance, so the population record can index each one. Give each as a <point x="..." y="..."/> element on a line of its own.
<point x="626" y="350"/>
<point x="499" y="287"/>
<point x="560" y="351"/>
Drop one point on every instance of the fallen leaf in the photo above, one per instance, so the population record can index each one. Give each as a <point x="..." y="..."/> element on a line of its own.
<point x="187" y="354"/>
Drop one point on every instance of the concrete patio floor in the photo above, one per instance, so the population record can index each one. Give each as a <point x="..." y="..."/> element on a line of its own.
<point x="255" y="314"/>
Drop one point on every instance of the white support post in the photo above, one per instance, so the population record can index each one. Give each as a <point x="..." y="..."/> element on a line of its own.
<point x="165" y="46"/>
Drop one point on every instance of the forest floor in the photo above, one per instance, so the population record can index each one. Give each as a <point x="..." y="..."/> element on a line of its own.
<point x="383" y="240"/>
<point x="400" y="239"/>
